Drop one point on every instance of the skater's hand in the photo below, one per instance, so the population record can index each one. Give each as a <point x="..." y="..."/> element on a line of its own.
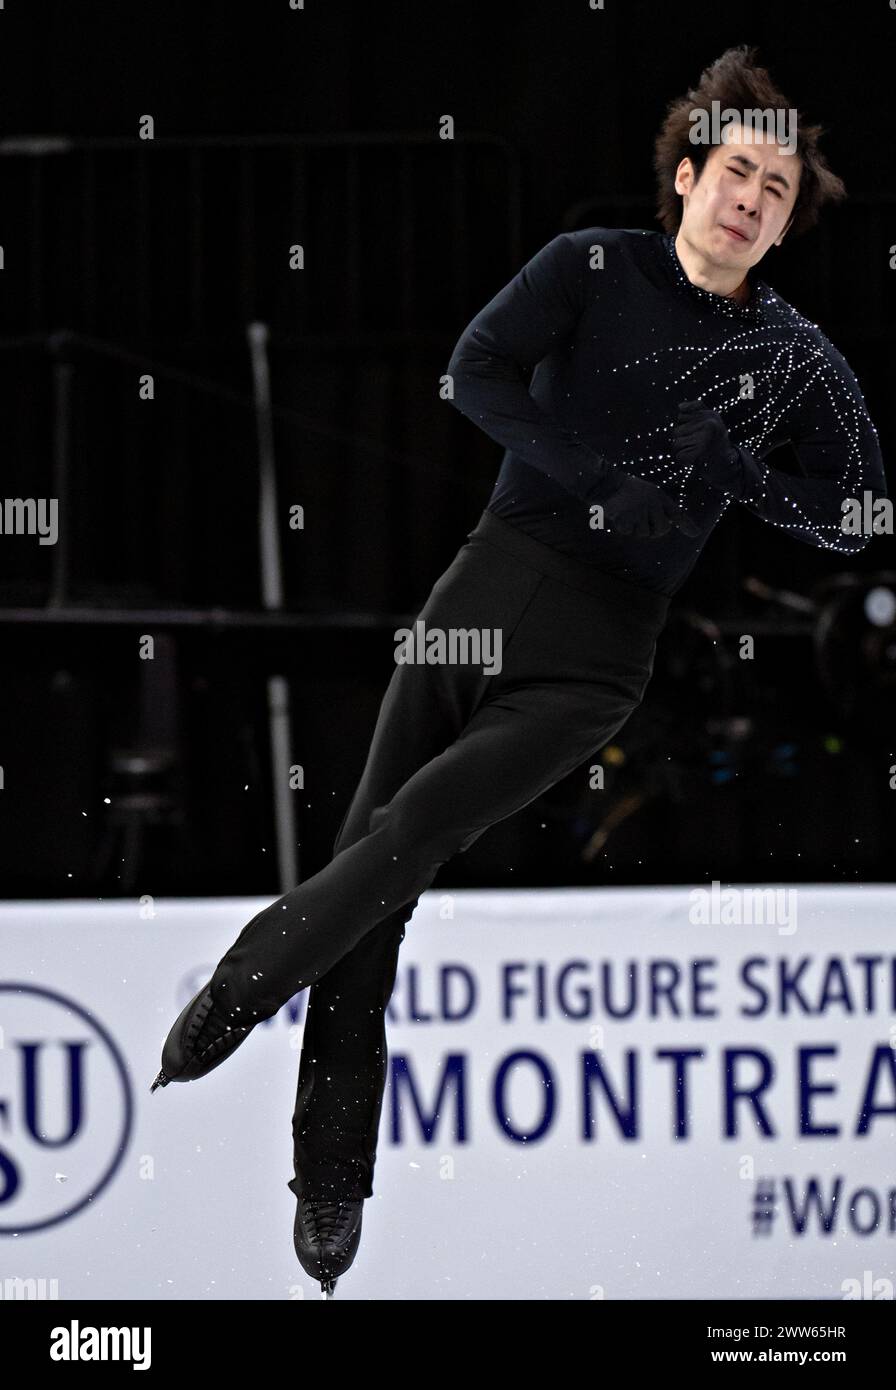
<point x="700" y="440"/>
<point x="639" y="508"/>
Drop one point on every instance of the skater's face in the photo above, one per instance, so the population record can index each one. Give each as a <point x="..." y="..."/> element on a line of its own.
<point x="747" y="186"/>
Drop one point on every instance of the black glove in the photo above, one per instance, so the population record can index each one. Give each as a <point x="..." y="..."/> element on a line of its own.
<point x="700" y="440"/>
<point x="639" y="508"/>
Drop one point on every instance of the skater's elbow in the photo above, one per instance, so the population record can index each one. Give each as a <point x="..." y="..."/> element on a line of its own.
<point x="461" y="372"/>
<point x="474" y="374"/>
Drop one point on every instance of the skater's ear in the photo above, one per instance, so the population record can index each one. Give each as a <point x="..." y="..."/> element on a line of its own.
<point x="784" y="231"/>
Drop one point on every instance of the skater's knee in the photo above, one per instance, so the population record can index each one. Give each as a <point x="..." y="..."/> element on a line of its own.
<point x="411" y="826"/>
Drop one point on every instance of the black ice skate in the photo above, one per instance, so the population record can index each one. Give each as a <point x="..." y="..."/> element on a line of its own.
<point x="326" y="1235"/>
<point x="200" y="1039"/>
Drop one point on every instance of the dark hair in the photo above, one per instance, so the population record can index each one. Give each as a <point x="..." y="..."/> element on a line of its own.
<point x="735" y="80"/>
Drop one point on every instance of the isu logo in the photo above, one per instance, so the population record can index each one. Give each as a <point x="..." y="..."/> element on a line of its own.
<point x="65" y="1108"/>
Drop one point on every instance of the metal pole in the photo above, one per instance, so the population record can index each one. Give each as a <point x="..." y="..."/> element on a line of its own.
<point x="272" y="598"/>
<point x="59" y="345"/>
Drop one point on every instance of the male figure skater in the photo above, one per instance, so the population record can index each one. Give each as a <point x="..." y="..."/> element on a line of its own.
<point x="664" y="372"/>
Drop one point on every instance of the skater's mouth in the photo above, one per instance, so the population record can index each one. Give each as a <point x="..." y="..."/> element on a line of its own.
<point x="734" y="232"/>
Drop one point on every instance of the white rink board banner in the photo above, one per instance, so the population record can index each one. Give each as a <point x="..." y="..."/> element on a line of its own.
<point x="674" y="1092"/>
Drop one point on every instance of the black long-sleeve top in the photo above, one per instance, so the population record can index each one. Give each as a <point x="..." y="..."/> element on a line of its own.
<point x="615" y="347"/>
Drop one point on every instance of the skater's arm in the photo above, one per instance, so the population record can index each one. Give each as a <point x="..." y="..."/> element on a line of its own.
<point x="837" y="447"/>
<point x="530" y="317"/>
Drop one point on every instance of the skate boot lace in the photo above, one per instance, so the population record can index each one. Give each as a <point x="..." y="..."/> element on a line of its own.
<point x="325" y="1221"/>
<point x="210" y="1028"/>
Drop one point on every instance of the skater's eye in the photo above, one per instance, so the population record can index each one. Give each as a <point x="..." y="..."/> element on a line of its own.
<point x="741" y="175"/>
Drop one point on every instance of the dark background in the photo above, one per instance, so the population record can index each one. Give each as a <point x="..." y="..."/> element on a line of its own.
<point x="276" y="126"/>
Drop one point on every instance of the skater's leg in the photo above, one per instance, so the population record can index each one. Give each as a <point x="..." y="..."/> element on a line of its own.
<point x="342" y="1069"/>
<point x="575" y="662"/>
<point x="424" y="708"/>
<point x="344" y="1050"/>
<point x="516" y="746"/>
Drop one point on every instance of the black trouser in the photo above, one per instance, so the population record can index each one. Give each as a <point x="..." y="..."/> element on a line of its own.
<point x="454" y="750"/>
